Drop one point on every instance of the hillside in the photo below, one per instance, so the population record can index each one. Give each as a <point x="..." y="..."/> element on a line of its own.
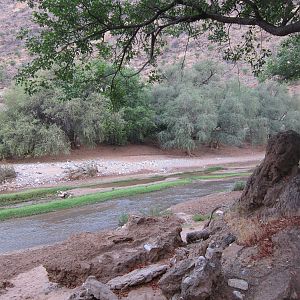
<point x="15" y="16"/>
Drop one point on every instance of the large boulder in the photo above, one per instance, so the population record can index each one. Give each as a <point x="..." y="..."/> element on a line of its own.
<point x="193" y="278"/>
<point x="274" y="189"/>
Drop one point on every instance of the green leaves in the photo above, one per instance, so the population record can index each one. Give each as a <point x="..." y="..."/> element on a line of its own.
<point x="86" y="110"/>
<point x="285" y="65"/>
<point x="74" y="30"/>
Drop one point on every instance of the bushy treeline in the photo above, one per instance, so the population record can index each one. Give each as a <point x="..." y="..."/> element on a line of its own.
<point x="184" y="109"/>
<point x="197" y="106"/>
<point x="87" y="111"/>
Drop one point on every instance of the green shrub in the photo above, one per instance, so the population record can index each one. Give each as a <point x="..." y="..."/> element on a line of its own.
<point x="123" y="219"/>
<point x="3" y="73"/>
<point x="239" y="186"/>
<point x="6" y="173"/>
<point x="156" y="211"/>
<point x="200" y="218"/>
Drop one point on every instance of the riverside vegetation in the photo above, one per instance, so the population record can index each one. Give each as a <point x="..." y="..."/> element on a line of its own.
<point x="184" y="109"/>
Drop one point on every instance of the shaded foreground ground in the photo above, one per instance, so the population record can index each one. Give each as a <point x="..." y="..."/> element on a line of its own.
<point x="34" y="284"/>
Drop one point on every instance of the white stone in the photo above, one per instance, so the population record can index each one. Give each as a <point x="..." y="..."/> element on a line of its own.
<point x="238" y="284"/>
<point x="238" y="295"/>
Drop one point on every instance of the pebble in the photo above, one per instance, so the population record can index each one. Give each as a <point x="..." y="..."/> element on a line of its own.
<point x="238" y="284"/>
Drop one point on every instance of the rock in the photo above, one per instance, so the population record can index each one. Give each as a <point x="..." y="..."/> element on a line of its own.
<point x="149" y="247"/>
<point x="63" y="195"/>
<point x="238" y="295"/>
<point x="137" y="277"/>
<point x="211" y="251"/>
<point x="228" y="239"/>
<point x="93" y="289"/>
<point x="195" y="236"/>
<point x="98" y="289"/>
<point x="238" y="284"/>
<point x="81" y="294"/>
<point x="171" y="281"/>
<point x="273" y="188"/>
<point x="282" y="285"/>
<point x="200" y="284"/>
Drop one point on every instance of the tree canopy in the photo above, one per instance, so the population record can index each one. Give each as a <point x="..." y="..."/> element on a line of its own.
<point x="72" y="29"/>
<point x="285" y="65"/>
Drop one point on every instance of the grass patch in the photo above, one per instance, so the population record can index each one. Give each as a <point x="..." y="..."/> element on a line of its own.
<point x="13" y="198"/>
<point x="200" y="218"/>
<point x="156" y="211"/>
<point x="86" y="199"/>
<point x="124" y="183"/>
<point x="239" y="186"/>
<point x="220" y="176"/>
<point x="213" y="169"/>
<point x="123" y="219"/>
<point x="200" y="172"/>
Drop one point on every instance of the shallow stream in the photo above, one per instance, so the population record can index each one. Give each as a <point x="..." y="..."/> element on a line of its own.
<point x="18" y="234"/>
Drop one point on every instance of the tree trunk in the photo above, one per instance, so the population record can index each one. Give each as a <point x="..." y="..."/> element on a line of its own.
<point x="274" y="187"/>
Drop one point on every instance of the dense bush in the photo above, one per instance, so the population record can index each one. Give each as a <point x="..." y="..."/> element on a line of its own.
<point x="186" y="108"/>
<point x="195" y="106"/>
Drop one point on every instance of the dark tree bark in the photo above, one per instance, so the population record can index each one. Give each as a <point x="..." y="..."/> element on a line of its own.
<point x="274" y="187"/>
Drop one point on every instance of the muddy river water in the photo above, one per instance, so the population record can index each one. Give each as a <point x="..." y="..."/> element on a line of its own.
<point x="54" y="227"/>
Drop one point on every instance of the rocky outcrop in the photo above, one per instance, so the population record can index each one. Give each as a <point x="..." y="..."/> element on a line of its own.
<point x="273" y="189"/>
<point x="142" y="241"/>
<point x="201" y="282"/>
<point x="170" y="283"/>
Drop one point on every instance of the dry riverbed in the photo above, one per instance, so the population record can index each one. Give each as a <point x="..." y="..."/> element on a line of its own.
<point x="122" y="162"/>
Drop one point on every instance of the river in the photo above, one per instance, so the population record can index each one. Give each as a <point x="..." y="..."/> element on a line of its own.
<point x="45" y="229"/>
